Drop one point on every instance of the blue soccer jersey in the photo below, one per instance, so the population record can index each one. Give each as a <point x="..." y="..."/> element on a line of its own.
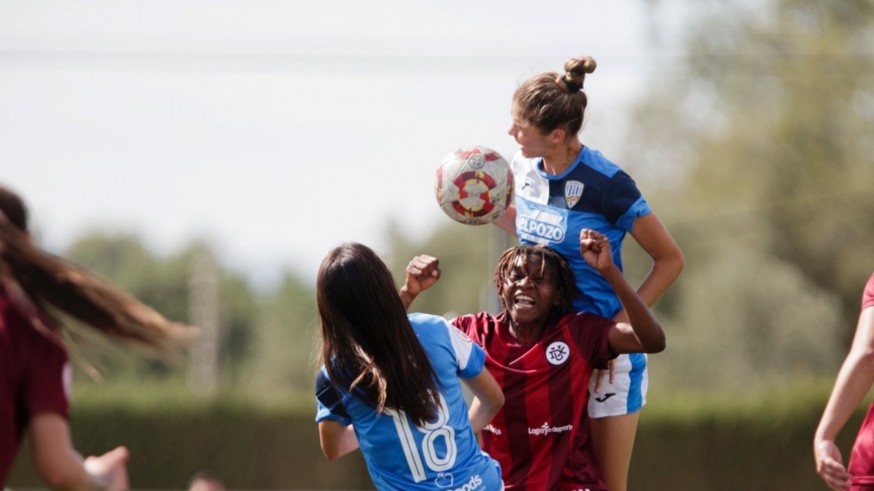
<point x="593" y="193"/>
<point x="442" y="455"/>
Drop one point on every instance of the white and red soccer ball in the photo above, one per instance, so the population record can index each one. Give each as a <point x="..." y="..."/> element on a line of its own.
<point x="474" y="185"/>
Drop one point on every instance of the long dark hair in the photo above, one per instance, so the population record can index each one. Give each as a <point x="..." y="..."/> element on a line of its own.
<point x="369" y="347"/>
<point x="45" y="282"/>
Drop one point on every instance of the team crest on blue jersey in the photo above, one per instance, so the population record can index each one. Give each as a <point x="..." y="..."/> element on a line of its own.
<point x="573" y="191"/>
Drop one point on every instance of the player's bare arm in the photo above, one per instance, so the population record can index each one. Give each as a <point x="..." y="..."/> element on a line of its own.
<point x="667" y="260"/>
<point x="644" y="333"/>
<point x="488" y="400"/>
<point x="506" y="221"/>
<point x="337" y="439"/>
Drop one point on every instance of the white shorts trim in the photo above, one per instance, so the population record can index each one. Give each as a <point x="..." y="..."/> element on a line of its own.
<point x="627" y="394"/>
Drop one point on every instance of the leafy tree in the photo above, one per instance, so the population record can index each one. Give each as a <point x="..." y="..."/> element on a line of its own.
<point x="163" y="283"/>
<point x="239" y="320"/>
<point x="772" y="108"/>
<point x="468" y="255"/>
<point x="286" y="340"/>
<point x="757" y="135"/>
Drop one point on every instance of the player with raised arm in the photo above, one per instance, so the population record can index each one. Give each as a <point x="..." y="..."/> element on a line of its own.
<point x="542" y="352"/>
<point x="562" y="187"/>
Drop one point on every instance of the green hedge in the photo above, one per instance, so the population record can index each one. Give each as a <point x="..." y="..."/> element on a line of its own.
<point x="683" y="443"/>
<point x="733" y="442"/>
<point x="172" y="435"/>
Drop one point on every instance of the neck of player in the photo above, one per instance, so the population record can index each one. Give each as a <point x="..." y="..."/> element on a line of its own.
<point x="562" y="156"/>
<point x="526" y="333"/>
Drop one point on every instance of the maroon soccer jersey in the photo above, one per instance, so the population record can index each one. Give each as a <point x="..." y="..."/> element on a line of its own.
<point x="541" y="435"/>
<point x="862" y="459"/>
<point x="32" y="368"/>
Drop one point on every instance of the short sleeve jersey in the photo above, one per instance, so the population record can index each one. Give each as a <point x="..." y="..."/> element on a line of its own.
<point x="593" y="193"/>
<point x="442" y="455"/>
<point x="862" y="459"/>
<point x="541" y="435"/>
<point x="34" y="378"/>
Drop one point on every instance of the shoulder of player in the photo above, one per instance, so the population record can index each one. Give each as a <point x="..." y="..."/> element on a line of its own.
<point x="16" y="321"/>
<point x="584" y="321"/>
<point x="10" y="310"/>
<point x="421" y="319"/>
<point x="435" y="330"/>
<point x="595" y="160"/>
<point x="583" y="330"/>
<point x="428" y="326"/>
<point x="476" y="318"/>
<point x="596" y="165"/>
<point x="479" y="326"/>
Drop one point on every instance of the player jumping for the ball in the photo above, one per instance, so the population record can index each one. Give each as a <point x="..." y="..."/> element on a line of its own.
<point x="562" y="187"/>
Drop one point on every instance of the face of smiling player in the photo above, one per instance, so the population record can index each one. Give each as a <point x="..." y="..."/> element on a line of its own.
<point x="529" y="293"/>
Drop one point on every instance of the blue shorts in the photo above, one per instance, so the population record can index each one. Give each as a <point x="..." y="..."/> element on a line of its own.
<point x="627" y="394"/>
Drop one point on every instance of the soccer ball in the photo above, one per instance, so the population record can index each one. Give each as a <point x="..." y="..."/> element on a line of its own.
<point x="474" y="185"/>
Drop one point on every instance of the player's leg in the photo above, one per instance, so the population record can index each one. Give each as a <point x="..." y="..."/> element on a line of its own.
<point x="613" y="442"/>
<point x="614" y="410"/>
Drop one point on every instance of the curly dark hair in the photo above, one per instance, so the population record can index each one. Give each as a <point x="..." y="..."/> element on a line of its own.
<point x="549" y="258"/>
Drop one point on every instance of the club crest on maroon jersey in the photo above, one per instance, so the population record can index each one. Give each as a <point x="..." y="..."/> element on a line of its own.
<point x="557" y="353"/>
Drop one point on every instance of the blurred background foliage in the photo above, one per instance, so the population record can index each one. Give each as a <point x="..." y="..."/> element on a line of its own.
<point x="753" y="146"/>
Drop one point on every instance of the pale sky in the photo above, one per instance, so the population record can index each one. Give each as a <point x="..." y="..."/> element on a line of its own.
<point x="279" y="129"/>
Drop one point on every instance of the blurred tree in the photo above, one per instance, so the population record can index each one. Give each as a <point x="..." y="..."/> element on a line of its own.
<point x="163" y="283"/>
<point x="758" y="134"/>
<point x="468" y="255"/>
<point x="286" y="341"/>
<point x="239" y="320"/>
<point x="773" y="106"/>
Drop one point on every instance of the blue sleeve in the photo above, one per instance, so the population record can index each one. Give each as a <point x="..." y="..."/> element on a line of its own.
<point x="470" y="357"/>
<point x="329" y="404"/>
<point x="475" y="363"/>
<point x="451" y="344"/>
<point x="623" y="202"/>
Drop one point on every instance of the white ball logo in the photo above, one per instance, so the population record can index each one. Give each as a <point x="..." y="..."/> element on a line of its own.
<point x="557" y="353"/>
<point x="477" y="161"/>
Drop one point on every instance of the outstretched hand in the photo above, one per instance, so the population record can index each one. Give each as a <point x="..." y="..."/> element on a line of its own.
<point x="110" y="469"/>
<point x="595" y="249"/>
<point x="422" y="273"/>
